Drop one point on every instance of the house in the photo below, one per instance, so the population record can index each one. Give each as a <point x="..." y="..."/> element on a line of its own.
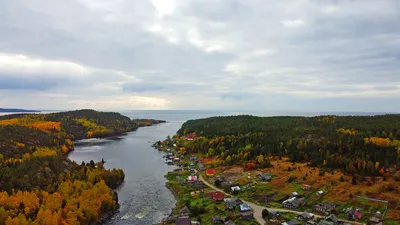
<point x="305" y="216"/>
<point x="311" y="222"/>
<point x="229" y="222"/>
<point x="210" y="172"/>
<point x="358" y="214"/>
<point x="218" y="181"/>
<point x="190" y="137"/>
<point x="196" y="184"/>
<point x="374" y="220"/>
<point x="193" y="158"/>
<point x="244" y="208"/>
<point x="201" y="166"/>
<point x="292" y="222"/>
<point x="217" y="219"/>
<point x="293" y="203"/>
<point x="295" y="194"/>
<point x="183" y="221"/>
<point x="246" y="215"/>
<point x="216" y="195"/>
<point x="306" y="187"/>
<point x="354" y="214"/>
<point x="174" y="145"/>
<point x="192" y="178"/>
<point x="330" y="220"/>
<point x="231" y="203"/>
<point x="265" y="177"/>
<point x="195" y="223"/>
<point x="325" y="207"/>
<point x="245" y="212"/>
<point x="184" y="212"/>
<point x="235" y="189"/>
<point x="320" y="193"/>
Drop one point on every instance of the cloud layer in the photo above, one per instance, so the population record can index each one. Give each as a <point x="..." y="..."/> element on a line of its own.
<point x="304" y="55"/>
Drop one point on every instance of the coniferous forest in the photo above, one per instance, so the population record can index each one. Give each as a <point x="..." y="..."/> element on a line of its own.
<point x="366" y="145"/>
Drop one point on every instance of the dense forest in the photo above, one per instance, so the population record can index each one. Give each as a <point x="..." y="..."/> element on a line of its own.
<point x="39" y="184"/>
<point x="363" y="145"/>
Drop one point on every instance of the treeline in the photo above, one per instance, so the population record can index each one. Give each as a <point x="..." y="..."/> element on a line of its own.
<point x="367" y="145"/>
<point x="39" y="184"/>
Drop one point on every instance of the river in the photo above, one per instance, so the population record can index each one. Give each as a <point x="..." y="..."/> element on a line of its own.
<point x="143" y="197"/>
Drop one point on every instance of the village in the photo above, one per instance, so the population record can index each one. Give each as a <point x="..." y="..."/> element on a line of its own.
<point x="208" y="195"/>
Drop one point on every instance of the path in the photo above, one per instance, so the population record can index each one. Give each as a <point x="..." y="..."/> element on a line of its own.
<point x="258" y="209"/>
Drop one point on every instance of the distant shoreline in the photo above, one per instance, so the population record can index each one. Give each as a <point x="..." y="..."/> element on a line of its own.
<point x="3" y="110"/>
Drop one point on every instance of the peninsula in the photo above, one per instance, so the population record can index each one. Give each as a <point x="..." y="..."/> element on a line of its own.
<point x="3" y="110"/>
<point x="295" y="170"/>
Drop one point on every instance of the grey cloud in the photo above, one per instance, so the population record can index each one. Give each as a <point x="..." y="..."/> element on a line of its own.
<point x="230" y="53"/>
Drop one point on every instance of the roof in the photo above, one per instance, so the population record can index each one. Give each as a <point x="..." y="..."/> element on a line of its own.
<point x="210" y="171"/>
<point x="358" y="214"/>
<point x="229" y="222"/>
<point x="244" y="207"/>
<point x="307" y="215"/>
<point x="325" y="222"/>
<point x="235" y="188"/>
<point x="320" y="192"/>
<point x="184" y="210"/>
<point x="183" y="221"/>
<point x="375" y="220"/>
<point x="293" y="222"/>
<point x="192" y="177"/>
<point x="295" y="193"/>
<point x="332" y="218"/>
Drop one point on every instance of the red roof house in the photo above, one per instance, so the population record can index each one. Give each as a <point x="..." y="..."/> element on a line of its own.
<point x="210" y="172"/>
<point x="191" y="137"/>
<point x="216" y="195"/>
<point x="358" y="214"/>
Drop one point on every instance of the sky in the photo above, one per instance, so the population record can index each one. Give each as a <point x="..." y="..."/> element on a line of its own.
<point x="292" y="55"/>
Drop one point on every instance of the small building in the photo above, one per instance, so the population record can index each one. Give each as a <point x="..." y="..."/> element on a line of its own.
<point x="265" y="177"/>
<point x="195" y="223"/>
<point x="183" y="221"/>
<point x="201" y="166"/>
<point x="358" y="214"/>
<point x="184" y="212"/>
<point x="320" y="193"/>
<point x="295" y="194"/>
<point x="197" y="184"/>
<point x="216" y="195"/>
<point x="291" y="222"/>
<point x="244" y="208"/>
<point x="217" y="219"/>
<point x="210" y="172"/>
<point x="229" y="222"/>
<point x="374" y="220"/>
<point x="306" y="187"/>
<point x="235" y="189"/>
<point x="330" y="220"/>
<point x="305" y="216"/>
<point x="192" y="178"/>
<point x="293" y="203"/>
<point x="194" y="193"/>
<point x="245" y="212"/>
<point x="326" y="208"/>
<point x="190" y="137"/>
<point x="174" y="145"/>
<point x="232" y="202"/>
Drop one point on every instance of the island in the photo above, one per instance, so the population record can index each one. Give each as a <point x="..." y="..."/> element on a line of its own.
<point x="325" y="170"/>
<point x="3" y="110"/>
<point x="40" y="185"/>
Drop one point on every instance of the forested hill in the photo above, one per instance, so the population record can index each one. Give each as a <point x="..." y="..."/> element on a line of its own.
<point x="77" y="124"/>
<point x="39" y="184"/>
<point x="357" y="144"/>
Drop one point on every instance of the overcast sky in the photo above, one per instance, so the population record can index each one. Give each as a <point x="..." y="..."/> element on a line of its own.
<point x="301" y="55"/>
